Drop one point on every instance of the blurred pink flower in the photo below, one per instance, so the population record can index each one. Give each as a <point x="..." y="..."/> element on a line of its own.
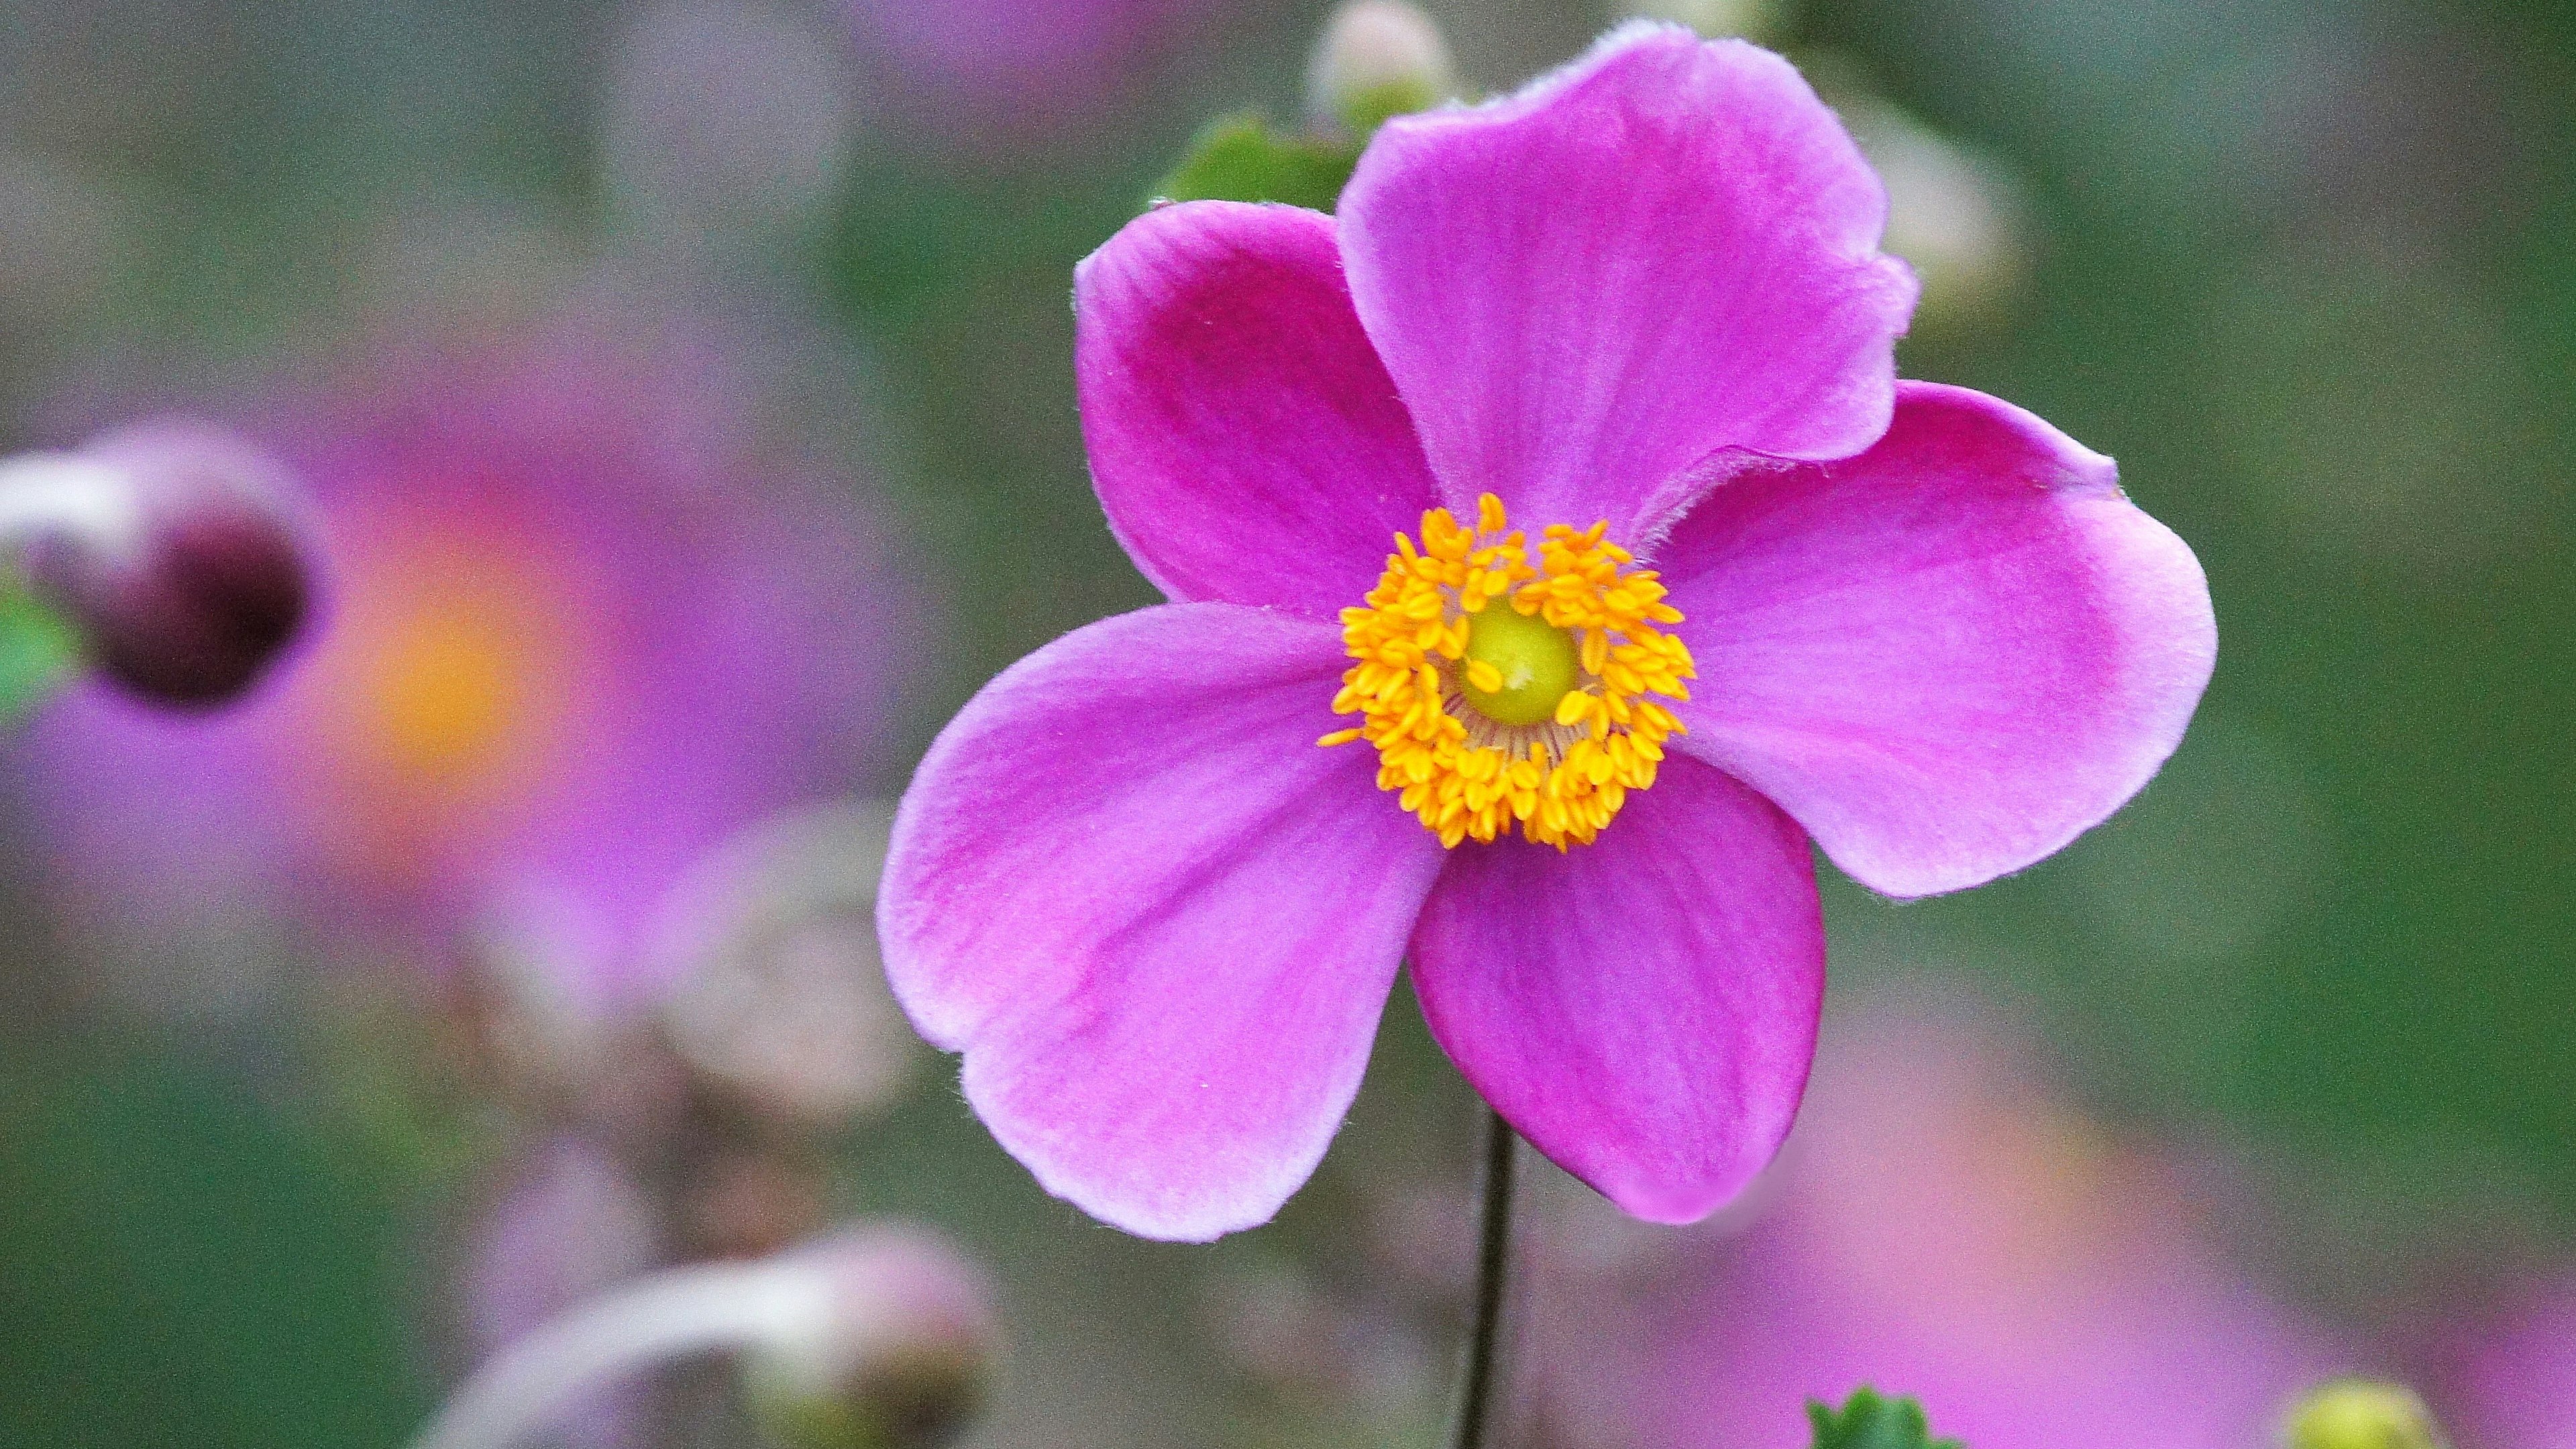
<point x="2515" y="1384"/>
<point x="583" y="618"/>
<point x="1019" y="62"/>
<point x="1944" y="1225"/>
<point x="567" y="1225"/>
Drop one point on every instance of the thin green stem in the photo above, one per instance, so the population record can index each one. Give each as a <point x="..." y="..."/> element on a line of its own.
<point x="1493" y="1273"/>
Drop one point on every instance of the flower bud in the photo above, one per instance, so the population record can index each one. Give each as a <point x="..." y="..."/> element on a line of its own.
<point x="904" y="1359"/>
<point x="783" y="1008"/>
<point x="2360" y="1414"/>
<point x="1954" y="214"/>
<point x="1377" y="58"/>
<point x="170" y="545"/>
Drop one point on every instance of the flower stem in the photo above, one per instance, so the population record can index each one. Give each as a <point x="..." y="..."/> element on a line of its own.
<point x="515" y="1396"/>
<point x="42" y="491"/>
<point x="1493" y="1272"/>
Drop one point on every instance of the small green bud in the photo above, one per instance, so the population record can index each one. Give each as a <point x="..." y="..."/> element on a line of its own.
<point x="1240" y="158"/>
<point x="906" y="1361"/>
<point x="1377" y="58"/>
<point x="2360" y="1414"/>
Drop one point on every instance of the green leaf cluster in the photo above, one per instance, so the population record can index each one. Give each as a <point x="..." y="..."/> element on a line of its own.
<point x="1241" y="158"/>
<point x="39" y="650"/>
<point x="1868" y="1421"/>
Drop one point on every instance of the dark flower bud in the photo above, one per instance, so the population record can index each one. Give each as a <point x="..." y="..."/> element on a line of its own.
<point x="904" y="1361"/>
<point x="2361" y="1414"/>
<point x="171" y="545"/>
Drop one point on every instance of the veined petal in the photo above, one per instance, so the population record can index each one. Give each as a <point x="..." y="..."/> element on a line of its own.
<point x="1950" y="655"/>
<point x="1643" y="1009"/>
<point x="1160" y="923"/>
<point x="1667" y="249"/>
<point x="1245" y="440"/>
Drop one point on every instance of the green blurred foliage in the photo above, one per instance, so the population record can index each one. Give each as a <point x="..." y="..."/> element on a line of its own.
<point x="178" y="1267"/>
<point x="1868" y="1421"/>
<point x="39" y="651"/>
<point x="2314" y="343"/>
<point x="1241" y="158"/>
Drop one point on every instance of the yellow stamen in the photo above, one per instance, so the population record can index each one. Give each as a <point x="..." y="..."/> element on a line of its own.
<point x="1499" y="691"/>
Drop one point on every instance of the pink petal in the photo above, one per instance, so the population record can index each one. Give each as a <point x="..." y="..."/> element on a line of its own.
<point x="1584" y="291"/>
<point x="1244" y="437"/>
<point x="1947" y="657"/>
<point x="1642" y="1008"/>
<point x="1157" y="919"/>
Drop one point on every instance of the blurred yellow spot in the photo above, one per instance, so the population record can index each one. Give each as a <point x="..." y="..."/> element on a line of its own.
<point x="439" y="700"/>
<point x="2361" y="1414"/>
<point x="444" y="687"/>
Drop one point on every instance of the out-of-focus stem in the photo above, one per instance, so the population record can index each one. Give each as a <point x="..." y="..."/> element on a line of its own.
<point x="43" y="491"/>
<point x="518" y="1393"/>
<point x="1493" y="1273"/>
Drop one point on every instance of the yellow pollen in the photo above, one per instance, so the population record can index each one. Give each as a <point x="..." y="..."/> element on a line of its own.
<point x="1499" y="690"/>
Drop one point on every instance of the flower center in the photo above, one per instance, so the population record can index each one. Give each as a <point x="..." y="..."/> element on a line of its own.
<point x="437" y="711"/>
<point x="1517" y="665"/>
<point x="1499" y="691"/>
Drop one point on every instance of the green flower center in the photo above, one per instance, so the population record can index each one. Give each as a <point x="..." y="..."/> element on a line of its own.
<point x="1530" y="664"/>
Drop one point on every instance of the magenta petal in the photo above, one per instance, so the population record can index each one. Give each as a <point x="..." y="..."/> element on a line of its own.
<point x="1947" y="657"/>
<point x="1642" y="1008"/>
<point x="1157" y="919"/>
<point x="1584" y="291"/>
<point x="1244" y="437"/>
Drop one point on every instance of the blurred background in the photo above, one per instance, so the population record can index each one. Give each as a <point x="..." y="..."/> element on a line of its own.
<point x="683" y="394"/>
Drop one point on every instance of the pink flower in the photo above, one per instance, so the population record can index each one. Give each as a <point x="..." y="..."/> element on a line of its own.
<point x="1632" y="316"/>
<point x="2516" y="1375"/>
<point x="1944" y="1222"/>
<point x="589" y="613"/>
<point x="569" y="1225"/>
<point x="1019" y="63"/>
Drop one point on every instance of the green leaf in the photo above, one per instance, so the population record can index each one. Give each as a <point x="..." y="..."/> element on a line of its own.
<point x="39" y="652"/>
<point x="1365" y="111"/>
<point x="1239" y="158"/>
<point x="1870" y="1422"/>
